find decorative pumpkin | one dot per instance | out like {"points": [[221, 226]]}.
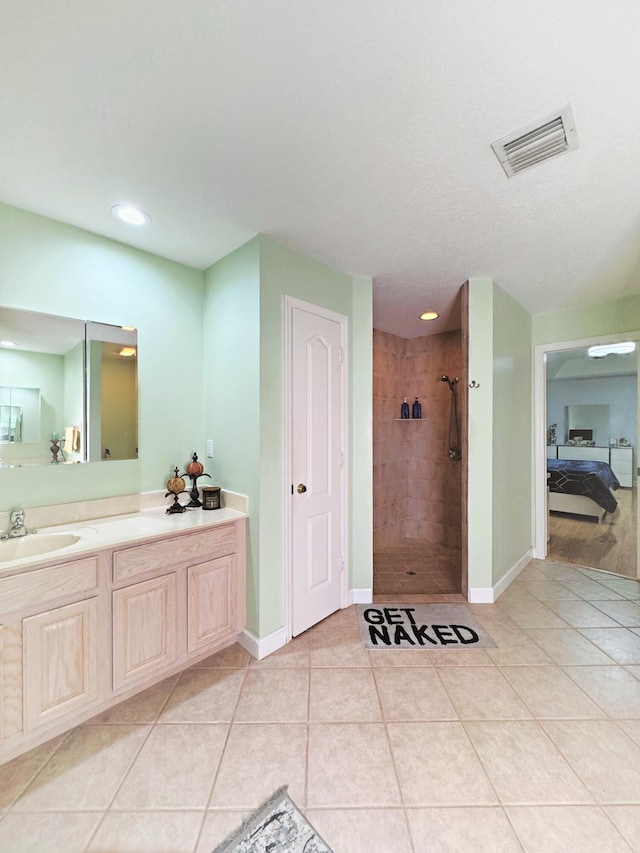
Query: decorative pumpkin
{"points": [[195, 468], [175, 484]]}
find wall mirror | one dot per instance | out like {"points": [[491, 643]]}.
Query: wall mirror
{"points": [[68, 390], [591, 421]]}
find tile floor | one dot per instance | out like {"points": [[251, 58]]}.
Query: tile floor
{"points": [[533, 745], [416, 567]]}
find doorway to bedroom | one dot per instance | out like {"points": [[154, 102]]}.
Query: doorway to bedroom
{"points": [[591, 402]]}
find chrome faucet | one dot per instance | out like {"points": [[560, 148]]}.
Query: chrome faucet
{"points": [[17, 527]]}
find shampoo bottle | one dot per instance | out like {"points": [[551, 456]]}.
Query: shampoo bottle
{"points": [[416, 409], [404, 410]]}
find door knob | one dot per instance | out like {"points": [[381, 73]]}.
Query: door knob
{"points": [[301, 488]]}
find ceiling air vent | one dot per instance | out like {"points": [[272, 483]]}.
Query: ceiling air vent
{"points": [[537, 142]]}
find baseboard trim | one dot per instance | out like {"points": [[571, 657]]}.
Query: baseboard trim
{"points": [[490, 594], [480, 595], [360, 596], [259, 648], [512, 574]]}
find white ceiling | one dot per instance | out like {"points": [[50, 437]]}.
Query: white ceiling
{"points": [[357, 132], [576, 364]]}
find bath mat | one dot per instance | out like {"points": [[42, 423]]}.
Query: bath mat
{"points": [[420, 626], [277, 826]]}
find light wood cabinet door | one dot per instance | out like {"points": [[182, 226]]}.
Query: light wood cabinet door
{"points": [[60, 650], [212, 594], [144, 629]]}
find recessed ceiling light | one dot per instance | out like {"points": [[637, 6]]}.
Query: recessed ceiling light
{"points": [[8, 344], [130, 215], [127, 352], [621, 348], [429, 315]]}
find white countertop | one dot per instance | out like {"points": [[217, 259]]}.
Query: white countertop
{"points": [[100, 533]]}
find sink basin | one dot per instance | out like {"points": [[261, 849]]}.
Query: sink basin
{"points": [[35, 544]]}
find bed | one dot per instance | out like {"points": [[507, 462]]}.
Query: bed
{"points": [[581, 487]]}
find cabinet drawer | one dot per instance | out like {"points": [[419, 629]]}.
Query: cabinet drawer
{"points": [[622, 460], [594, 454], [40, 586], [165, 554]]}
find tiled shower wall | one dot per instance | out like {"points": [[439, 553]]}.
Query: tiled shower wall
{"points": [[417, 488]]}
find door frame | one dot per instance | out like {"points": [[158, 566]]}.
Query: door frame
{"points": [[289, 303], [540, 426]]}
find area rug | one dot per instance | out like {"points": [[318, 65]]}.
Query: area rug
{"points": [[277, 826], [420, 626]]}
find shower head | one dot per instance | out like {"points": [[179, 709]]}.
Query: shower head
{"points": [[451, 382]]}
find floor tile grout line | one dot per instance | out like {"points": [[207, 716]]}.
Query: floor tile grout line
{"points": [[106, 810], [547, 737], [448, 695], [516, 834], [480, 762], [616, 721], [37, 772], [393, 759], [581, 689], [592, 698], [620, 829], [152, 726], [581, 632], [308, 734], [577, 630], [220, 757], [566, 759]]}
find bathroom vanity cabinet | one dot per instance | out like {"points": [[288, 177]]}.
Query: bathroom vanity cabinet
{"points": [[80, 635]]}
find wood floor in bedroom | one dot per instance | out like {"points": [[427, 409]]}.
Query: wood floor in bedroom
{"points": [[610, 546]]}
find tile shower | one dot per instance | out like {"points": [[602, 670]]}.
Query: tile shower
{"points": [[417, 487]]}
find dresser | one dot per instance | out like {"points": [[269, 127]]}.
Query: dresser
{"points": [[622, 465], [619, 458]]}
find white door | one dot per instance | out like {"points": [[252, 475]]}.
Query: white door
{"points": [[317, 436]]}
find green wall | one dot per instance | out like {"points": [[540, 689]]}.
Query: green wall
{"points": [[480, 438], [232, 391], [209, 367], [54, 268], [244, 402], [587, 321], [512, 433], [284, 271], [614, 316], [500, 507], [362, 435]]}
